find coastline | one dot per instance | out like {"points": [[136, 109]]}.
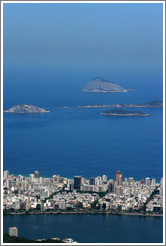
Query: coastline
{"points": [[84, 213]]}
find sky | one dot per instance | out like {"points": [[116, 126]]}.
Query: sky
{"points": [[114, 40], [87, 29]]}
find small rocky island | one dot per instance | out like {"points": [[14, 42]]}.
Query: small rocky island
{"points": [[122, 112], [102, 85], [151, 104], [26, 109]]}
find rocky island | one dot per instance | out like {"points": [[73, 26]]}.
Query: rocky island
{"points": [[122, 112], [26, 109], [151, 104], [102, 85]]}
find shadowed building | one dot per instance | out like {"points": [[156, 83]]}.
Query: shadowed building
{"points": [[77, 182], [92, 181], [111, 186]]}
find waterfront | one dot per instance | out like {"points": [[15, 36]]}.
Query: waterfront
{"points": [[47, 62], [35, 193], [88, 228]]}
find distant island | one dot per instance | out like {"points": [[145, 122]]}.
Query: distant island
{"points": [[102, 85], [122, 112], [26, 109], [151, 104]]}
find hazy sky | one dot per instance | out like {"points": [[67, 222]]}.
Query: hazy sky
{"points": [[87, 29], [78, 41]]}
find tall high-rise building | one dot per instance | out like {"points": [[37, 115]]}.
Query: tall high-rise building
{"points": [[6, 174], [36, 174], [77, 182], [111, 186], [161, 191], [118, 190], [126, 181], [153, 182], [32, 177], [131, 180], [92, 181], [98, 181], [147, 181], [119, 177], [61, 179], [9, 183], [161, 181], [83, 181], [71, 184], [104, 178]]}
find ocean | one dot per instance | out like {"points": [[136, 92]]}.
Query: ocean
{"points": [[80, 141]]}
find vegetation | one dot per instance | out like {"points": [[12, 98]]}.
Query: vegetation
{"points": [[8, 239], [149, 199], [95, 205]]}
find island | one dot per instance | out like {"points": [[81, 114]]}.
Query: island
{"points": [[122, 112], [26, 109], [151, 104], [99, 84]]}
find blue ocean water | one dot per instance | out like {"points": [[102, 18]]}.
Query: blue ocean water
{"points": [[74, 141], [79, 141], [88, 228]]}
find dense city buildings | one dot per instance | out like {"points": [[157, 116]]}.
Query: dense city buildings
{"points": [[40, 194]]}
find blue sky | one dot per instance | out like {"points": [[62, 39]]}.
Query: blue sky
{"points": [[119, 41], [83, 29]]}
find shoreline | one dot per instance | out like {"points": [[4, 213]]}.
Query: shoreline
{"points": [[83, 213]]}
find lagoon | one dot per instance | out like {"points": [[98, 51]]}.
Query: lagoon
{"points": [[88, 228]]}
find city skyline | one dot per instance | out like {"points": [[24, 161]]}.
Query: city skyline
{"points": [[34, 192]]}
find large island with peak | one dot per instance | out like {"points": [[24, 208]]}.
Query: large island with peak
{"points": [[102, 85]]}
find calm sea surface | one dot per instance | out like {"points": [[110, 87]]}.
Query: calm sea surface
{"points": [[88, 228], [79, 141]]}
